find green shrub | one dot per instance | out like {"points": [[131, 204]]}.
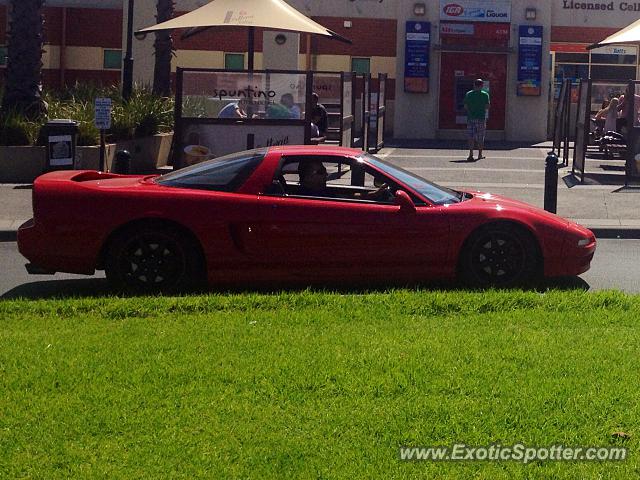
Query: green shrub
{"points": [[15, 130], [194, 106], [143, 115], [79, 109]]}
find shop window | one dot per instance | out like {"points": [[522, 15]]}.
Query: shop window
{"points": [[3, 55], [608, 72], [234, 61], [112, 59], [613, 59], [361, 65], [566, 71]]}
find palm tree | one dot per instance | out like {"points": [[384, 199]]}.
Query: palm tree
{"points": [[23, 85], [163, 50]]}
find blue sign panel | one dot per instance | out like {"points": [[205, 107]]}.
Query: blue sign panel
{"points": [[530, 60], [417, 43]]}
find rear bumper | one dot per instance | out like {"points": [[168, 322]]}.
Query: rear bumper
{"points": [[49, 252]]}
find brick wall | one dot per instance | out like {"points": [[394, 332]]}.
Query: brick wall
{"points": [[94, 28], [370, 37], [3, 24], [580, 34]]}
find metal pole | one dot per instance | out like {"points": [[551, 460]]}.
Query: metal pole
{"points": [[551, 183], [127, 62], [101, 167]]}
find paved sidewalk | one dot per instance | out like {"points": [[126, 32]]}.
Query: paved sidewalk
{"points": [[602, 203], [15, 201]]}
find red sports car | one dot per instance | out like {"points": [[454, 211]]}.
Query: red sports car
{"points": [[291, 214]]}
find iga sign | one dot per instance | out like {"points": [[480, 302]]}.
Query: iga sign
{"points": [[476, 10]]}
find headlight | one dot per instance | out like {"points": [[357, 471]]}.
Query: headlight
{"points": [[584, 242]]}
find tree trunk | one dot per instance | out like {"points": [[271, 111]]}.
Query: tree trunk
{"points": [[23, 87], [163, 50]]}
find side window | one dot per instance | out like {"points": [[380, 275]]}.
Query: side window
{"points": [[331, 177]]}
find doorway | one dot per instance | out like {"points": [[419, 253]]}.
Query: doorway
{"points": [[458, 70]]}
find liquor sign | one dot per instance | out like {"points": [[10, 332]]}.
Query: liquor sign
{"points": [[476, 10], [416, 57], [530, 60]]}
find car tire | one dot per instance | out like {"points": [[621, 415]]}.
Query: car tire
{"points": [[151, 260], [499, 255]]}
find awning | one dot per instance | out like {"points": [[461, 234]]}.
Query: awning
{"points": [[268, 14], [629, 34]]}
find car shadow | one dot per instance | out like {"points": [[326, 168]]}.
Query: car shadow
{"points": [[99, 288], [50, 289]]}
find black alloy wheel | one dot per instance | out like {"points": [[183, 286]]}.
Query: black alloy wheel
{"points": [[149, 260], [499, 256]]}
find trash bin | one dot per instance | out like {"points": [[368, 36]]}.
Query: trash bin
{"points": [[62, 137]]}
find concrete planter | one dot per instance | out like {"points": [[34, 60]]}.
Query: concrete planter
{"points": [[148, 153], [88, 158], [24, 164], [21, 164]]}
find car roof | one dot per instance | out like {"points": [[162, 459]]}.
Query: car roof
{"points": [[315, 150]]}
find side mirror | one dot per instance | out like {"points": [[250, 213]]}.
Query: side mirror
{"points": [[275, 188], [403, 200]]}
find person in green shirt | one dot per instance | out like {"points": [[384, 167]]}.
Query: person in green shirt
{"points": [[476, 103]]}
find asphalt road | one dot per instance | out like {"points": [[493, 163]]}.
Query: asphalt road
{"points": [[614, 267]]}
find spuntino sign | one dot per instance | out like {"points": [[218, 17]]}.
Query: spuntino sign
{"points": [[476, 10]]}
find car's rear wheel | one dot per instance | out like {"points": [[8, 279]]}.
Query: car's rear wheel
{"points": [[499, 255], [150, 260]]}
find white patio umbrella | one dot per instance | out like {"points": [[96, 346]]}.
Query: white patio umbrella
{"points": [[628, 35], [269, 14]]}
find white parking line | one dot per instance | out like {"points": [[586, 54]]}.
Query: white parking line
{"points": [[453, 169], [533, 186], [461, 157]]}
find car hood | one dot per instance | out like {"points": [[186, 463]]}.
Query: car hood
{"points": [[499, 202]]}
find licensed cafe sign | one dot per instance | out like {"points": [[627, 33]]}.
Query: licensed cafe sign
{"points": [[601, 6]]}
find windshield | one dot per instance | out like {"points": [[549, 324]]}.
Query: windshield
{"points": [[435, 193], [224, 174]]}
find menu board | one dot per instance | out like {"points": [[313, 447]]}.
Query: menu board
{"points": [[530, 60], [416, 57]]}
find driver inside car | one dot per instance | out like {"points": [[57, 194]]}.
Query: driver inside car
{"points": [[313, 183]]}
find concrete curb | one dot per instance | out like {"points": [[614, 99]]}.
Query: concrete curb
{"points": [[622, 233], [8, 235]]}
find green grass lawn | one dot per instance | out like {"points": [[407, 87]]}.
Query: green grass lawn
{"points": [[315, 385]]}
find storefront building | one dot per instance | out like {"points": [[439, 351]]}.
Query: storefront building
{"points": [[430, 49]]}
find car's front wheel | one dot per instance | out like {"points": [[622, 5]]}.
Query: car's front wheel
{"points": [[499, 256], [150, 260]]}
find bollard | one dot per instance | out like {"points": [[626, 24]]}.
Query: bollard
{"points": [[551, 183], [122, 162]]}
